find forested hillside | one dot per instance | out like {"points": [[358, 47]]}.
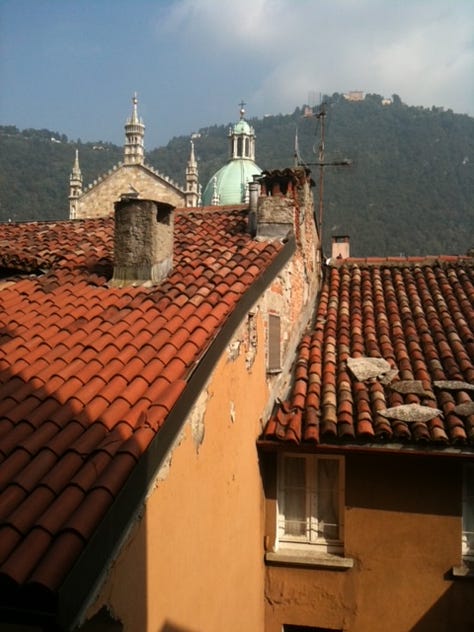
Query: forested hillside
{"points": [[35, 167], [410, 189]]}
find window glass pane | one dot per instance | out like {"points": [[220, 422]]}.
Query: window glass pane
{"points": [[468, 511], [328, 501], [294, 483]]}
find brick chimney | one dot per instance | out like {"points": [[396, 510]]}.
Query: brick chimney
{"points": [[143, 241], [340, 247]]}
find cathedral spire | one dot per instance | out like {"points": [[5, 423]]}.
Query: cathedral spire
{"points": [[192, 180], [134, 137], [75, 187], [215, 201]]}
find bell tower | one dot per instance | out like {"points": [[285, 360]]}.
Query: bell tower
{"points": [[192, 180], [134, 153], [75, 187]]}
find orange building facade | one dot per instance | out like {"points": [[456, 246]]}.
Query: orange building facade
{"points": [[402, 520], [193, 559]]}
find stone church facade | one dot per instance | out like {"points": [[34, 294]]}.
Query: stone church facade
{"points": [[132, 177]]}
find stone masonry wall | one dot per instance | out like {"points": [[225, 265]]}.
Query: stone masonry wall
{"points": [[100, 199]]}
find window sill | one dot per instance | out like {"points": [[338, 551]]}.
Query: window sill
{"points": [[292, 557], [465, 571]]}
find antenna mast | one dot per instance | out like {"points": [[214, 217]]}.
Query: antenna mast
{"points": [[321, 116]]}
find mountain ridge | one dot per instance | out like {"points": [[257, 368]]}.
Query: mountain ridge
{"points": [[410, 188]]}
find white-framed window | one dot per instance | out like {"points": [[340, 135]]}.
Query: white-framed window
{"points": [[468, 513], [310, 502]]}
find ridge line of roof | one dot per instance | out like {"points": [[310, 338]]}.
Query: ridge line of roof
{"points": [[422, 260]]}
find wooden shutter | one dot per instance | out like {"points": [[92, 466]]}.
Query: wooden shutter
{"points": [[274, 343]]}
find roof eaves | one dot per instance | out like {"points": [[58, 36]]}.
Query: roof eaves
{"points": [[389, 448]]}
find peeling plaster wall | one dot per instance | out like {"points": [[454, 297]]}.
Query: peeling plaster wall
{"points": [[293, 293], [99, 200], [403, 530]]}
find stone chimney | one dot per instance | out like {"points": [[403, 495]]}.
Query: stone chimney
{"points": [[285, 197], [254, 192], [143, 241], [340, 247]]}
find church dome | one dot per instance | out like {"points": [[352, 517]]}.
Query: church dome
{"points": [[242, 127], [229, 185]]}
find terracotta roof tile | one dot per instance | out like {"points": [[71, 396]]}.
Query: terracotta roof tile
{"points": [[24, 558], [137, 444], [61, 555], [28, 478], [92, 468], [10, 498], [417, 315], [88, 374], [60, 475]]}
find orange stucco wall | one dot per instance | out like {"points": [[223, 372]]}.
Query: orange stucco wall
{"points": [[403, 530], [194, 560]]}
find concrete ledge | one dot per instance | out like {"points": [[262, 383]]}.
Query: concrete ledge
{"points": [[311, 559], [465, 571]]}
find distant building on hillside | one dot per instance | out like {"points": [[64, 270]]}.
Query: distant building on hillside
{"points": [[131, 177], [354, 95]]}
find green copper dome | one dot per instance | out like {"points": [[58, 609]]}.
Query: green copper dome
{"points": [[229, 185], [242, 127]]}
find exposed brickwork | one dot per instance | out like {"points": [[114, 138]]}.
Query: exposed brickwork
{"points": [[293, 292]]}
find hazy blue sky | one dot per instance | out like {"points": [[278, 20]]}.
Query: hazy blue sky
{"points": [[73, 65]]}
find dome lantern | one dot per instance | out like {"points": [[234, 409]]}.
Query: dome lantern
{"points": [[229, 185]]}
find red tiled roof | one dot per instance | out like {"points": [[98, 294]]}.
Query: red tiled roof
{"points": [[88, 374], [416, 315], [35, 245]]}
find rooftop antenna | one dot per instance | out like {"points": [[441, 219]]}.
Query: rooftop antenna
{"points": [[322, 164]]}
